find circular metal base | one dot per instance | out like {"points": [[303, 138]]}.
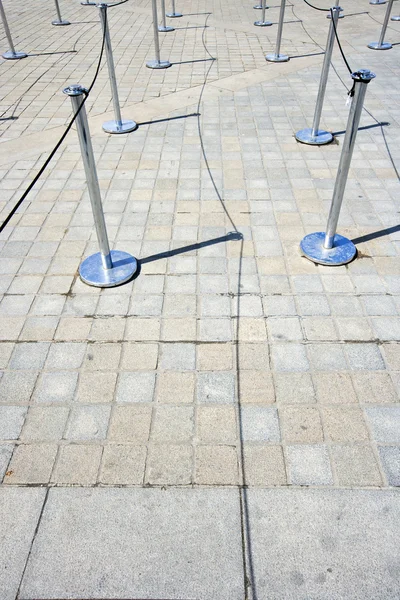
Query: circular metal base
{"points": [[173, 15], [277, 58], [323, 137], [395, 18], [14, 55], [373, 2], [259, 7], [262, 23], [158, 64], [88, 3], [124, 127], [165, 29], [341, 16], [60, 23], [91, 270], [378, 46], [343, 251]]}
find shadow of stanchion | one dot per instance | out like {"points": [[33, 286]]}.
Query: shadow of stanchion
{"points": [[52, 53], [383, 124], [168, 119], [376, 234], [305, 55], [187, 62], [234, 235]]}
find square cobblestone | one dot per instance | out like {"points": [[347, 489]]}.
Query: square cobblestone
{"points": [[77, 464], [264, 465], [216, 465], [260, 424], [309, 465], [169, 465], [356, 466], [385, 423], [135, 387], [88, 423], [216, 387], [122, 464], [390, 457]]}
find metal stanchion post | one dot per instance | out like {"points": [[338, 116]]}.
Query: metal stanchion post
{"points": [[157, 63], [164, 27], [262, 22], [341, 15], [106, 268], [119, 125], [88, 3], [381, 45], [11, 54], [395, 18], [277, 57], [316, 136], [330, 248], [60, 21], [260, 5], [174, 14]]}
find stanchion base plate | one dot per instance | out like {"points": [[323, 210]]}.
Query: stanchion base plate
{"points": [[165, 29], [341, 16], [395, 18], [373, 2], [259, 7], [88, 3], [158, 64], [91, 270], [378, 46], [312, 247], [60, 23], [173, 15], [323, 137], [14, 55], [126, 126], [277, 58], [262, 23]]}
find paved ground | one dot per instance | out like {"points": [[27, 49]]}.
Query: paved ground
{"points": [[229, 368]]}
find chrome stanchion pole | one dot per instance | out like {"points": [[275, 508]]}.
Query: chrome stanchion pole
{"points": [[60, 21], [260, 5], [164, 27], [381, 45], [174, 14], [341, 15], [157, 63], [276, 56], [12, 54], [119, 125], [316, 136], [330, 248], [106, 268], [262, 22]]}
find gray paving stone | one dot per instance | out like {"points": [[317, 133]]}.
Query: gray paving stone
{"points": [[88, 423], [56, 387], [309, 465], [385, 423], [11, 421], [30, 355], [178, 357], [216, 387], [17, 389], [289, 357], [390, 457], [135, 387], [66, 355], [155, 537], [20, 511], [364, 356], [321, 546], [260, 424]]}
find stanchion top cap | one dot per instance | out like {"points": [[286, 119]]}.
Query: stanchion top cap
{"points": [[75, 89], [364, 75]]}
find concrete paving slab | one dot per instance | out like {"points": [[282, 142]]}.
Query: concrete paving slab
{"points": [[19, 513], [325, 545], [137, 543]]}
